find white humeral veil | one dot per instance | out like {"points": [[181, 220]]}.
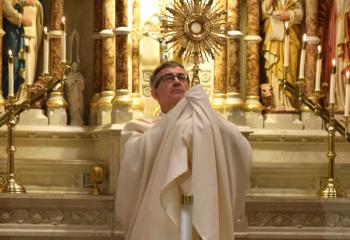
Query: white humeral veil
{"points": [[191, 141]]}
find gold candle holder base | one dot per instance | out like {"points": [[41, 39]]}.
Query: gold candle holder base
{"points": [[10, 186], [329, 189]]}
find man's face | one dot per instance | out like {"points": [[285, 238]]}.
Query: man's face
{"points": [[170, 89]]}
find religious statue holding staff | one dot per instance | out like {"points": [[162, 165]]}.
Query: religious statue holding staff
{"points": [[75, 85], [334, 31], [276, 13], [189, 149], [13, 24]]}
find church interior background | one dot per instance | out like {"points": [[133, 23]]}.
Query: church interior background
{"points": [[67, 149]]}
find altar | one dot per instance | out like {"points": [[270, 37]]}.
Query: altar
{"points": [[66, 151]]}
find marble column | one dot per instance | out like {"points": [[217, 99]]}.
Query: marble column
{"points": [[97, 69], [309, 119], [311, 47], [122, 45], [253, 52], [136, 100], [220, 74], [122, 101], [233, 101], [2, 100], [108, 63], [56, 104]]}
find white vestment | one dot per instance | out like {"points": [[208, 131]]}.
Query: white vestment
{"points": [[191, 143]]}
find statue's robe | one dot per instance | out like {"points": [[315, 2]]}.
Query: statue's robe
{"points": [[334, 24], [190, 149], [13, 40], [273, 51], [34, 33]]}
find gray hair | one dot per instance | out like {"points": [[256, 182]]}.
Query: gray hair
{"points": [[172, 64]]}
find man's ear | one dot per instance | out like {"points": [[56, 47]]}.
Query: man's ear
{"points": [[154, 93]]}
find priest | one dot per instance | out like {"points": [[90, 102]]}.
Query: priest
{"points": [[189, 149]]}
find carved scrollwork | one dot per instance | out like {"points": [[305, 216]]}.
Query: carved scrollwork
{"points": [[54, 216]]}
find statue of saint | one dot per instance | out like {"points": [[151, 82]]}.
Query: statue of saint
{"points": [[75, 85], [275, 13], [334, 30], [13, 24]]}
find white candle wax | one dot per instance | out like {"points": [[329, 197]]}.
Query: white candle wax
{"points": [[186, 220], [46, 52], [27, 62], [318, 70], [347, 95], [332, 83], [63, 40], [286, 46], [302, 59], [10, 75]]}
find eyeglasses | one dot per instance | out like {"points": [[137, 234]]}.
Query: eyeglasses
{"points": [[170, 77]]}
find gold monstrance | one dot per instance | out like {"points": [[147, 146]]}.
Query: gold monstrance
{"points": [[196, 30]]}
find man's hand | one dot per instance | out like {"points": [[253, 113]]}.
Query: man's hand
{"points": [[30, 2], [281, 15], [26, 22]]}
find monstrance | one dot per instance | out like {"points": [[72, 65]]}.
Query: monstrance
{"points": [[195, 30]]}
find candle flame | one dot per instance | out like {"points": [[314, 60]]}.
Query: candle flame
{"points": [[347, 74], [63, 20], [26, 41], [333, 62], [45, 29], [319, 48], [10, 53]]}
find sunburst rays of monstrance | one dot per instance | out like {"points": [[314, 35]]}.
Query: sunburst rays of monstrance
{"points": [[195, 31]]}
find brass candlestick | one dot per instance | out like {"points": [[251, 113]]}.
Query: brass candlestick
{"points": [[46, 78], [56, 99], [329, 188], [97, 175], [10, 185], [346, 122]]}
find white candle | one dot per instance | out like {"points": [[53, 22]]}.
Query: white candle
{"points": [[186, 217], [347, 95], [63, 40], [332, 84], [27, 64], [302, 59], [318, 69], [10, 80], [286, 46], [46, 51]]}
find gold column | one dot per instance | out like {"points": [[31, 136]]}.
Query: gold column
{"points": [[2, 101], [220, 74], [56, 100], [122, 100], [233, 96], [136, 102], [108, 63], [252, 99], [311, 48], [97, 70]]}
